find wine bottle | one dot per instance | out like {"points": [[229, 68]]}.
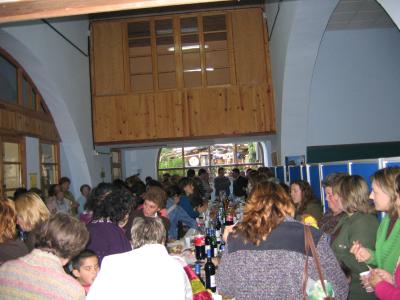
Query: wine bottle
{"points": [[208, 241], [214, 244], [199, 246], [209, 269]]}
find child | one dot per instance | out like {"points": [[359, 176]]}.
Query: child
{"points": [[85, 267]]}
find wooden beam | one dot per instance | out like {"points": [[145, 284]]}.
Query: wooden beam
{"points": [[23, 10]]}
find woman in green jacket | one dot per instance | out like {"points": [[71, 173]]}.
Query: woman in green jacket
{"points": [[359, 223], [386, 199]]}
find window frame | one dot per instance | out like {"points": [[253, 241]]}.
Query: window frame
{"points": [[43, 187], [117, 165]]}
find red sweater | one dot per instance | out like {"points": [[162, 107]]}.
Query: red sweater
{"points": [[386, 291]]}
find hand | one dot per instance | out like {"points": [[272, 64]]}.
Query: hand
{"points": [[373, 279], [361, 253], [385, 275], [227, 231]]}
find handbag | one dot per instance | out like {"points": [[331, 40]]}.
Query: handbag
{"points": [[310, 247]]}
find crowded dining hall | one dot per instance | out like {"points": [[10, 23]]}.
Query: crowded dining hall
{"points": [[199, 149]]}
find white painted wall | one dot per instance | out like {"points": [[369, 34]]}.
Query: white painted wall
{"points": [[32, 161], [61, 74], [392, 7], [356, 87]]}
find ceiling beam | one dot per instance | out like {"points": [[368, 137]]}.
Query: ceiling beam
{"points": [[23, 10]]}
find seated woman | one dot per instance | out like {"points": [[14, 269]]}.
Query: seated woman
{"points": [[191, 200], [154, 201], [31, 212], [176, 213], [358, 224], [387, 246], [40, 274], [304, 200], [110, 208], [265, 253], [10, 246]]}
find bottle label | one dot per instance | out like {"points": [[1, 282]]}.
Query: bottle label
{"points": [[208, 248], [215, 251], [212, 281], [199, 240]]}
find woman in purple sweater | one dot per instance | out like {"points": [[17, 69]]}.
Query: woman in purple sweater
{"points": [[111, 208]]}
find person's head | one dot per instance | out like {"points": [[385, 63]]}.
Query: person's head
{"points": [[96, 199], [62, 235], [221, 172], [248, 171], [147, 231], [19, 191], [174, 192], [384, 190], [203, 174], [85, 190], [329, 183], [37, 192], [60, 195], [301, 192], [235, 173], [85, 267], [190, 173], [53, 189], [154, 200], [31, 211], [8, 221], [114, 205], [353, 194], [65, 182], [186, 184], [148, 179], [267, 206]]}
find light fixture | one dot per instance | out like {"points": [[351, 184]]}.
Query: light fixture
{"points": [[189, 47], [198, 70]]}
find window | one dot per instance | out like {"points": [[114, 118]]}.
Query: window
{"points": [[12, 165], [192, 49], [116, 163], [177, 160], [17, 88], [49, 165]]}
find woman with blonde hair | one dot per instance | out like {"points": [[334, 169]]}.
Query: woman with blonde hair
{"points": [[357, 224], [265, 253], [10, 246], [31, 212], [386, 199]]}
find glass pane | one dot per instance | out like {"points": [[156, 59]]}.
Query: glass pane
{"points": [[140, 47], [214, 23], [165, 45], [10, 152], [167, 80], [140, 65], [166, 63], [189, 25], [248, 153], [116, 173], [217, 59], [25, 92], [191, 62], [217, 76], [222, 154], [138, 29], [48, 175], [172, 173], [192, 79], [115, 157], [196, 156], [164, 27], [8, 81], [142, 82], [214, 41], [190, 42], [12, 176], [170, 158], [34, 96], [48, 153], [41, 107], [10, 193]]}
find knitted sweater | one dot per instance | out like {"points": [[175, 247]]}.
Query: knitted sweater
{"points": [[387, 251], [38, 275], [275, 268]]}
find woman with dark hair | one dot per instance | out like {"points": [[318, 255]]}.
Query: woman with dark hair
{"points": [[265, 253], [191, 200], [10, 246], [111, 207], [40, 274], [304, 200]]}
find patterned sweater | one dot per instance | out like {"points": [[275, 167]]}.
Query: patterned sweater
{"points": [[38, 275], [274, 269]]}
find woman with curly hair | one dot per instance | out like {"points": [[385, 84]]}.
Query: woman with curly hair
{"points": [[10, 246], [304, 200], [110, 212], [265, 253]]}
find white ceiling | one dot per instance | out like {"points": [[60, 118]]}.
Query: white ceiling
{"points": [[359, 14]]}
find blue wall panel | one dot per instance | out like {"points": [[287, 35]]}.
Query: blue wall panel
{"points": [[365, 170], [294, 173], [280, 173]]}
